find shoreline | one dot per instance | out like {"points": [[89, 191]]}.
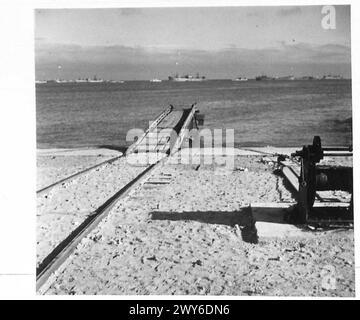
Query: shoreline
{"points": [[91, 151], [94, 151]]}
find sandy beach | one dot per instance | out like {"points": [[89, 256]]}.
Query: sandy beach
{"points": [[188, 229], [56, 164], [61, 209]]}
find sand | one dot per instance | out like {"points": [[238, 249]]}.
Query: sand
{"points": [[56, 164], [61, 209], [189, 230]]}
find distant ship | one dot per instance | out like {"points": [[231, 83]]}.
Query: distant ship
{"points": [[285, 78], [95, 80], [155, 80], [81, 80], [241, 79], [263, 77], [186, 78], [332, 77], [61, 81], [40, 81], [306, 78]]}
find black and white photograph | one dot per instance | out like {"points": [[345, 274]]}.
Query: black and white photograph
{"points": [[194, 151]]}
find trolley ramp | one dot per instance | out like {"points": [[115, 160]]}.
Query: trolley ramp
{"points": [[165, 132]]}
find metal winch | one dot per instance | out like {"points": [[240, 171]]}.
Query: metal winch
{"points": [[315, 177]]}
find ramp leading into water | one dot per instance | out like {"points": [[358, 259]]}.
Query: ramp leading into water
{"points": [[166, 132]]}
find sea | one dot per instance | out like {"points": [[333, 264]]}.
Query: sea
{"points": [[262, 113]]}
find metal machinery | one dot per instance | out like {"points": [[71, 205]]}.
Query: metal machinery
{"points": [[199, 118], [316, 177]]}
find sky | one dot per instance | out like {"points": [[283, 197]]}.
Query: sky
{"points": [[220, 42]]}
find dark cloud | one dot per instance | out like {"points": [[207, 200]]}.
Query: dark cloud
{"points": [[142, 63]]}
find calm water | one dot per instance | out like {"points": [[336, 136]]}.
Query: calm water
{"points": [[277, 113]]}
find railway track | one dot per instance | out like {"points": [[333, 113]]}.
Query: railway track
{"points": [[61, 252], [77, 174], [66, 247], [153, 125]]}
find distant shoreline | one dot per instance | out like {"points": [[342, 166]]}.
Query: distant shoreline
{"points": [[110, 152], [67, 82]]}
